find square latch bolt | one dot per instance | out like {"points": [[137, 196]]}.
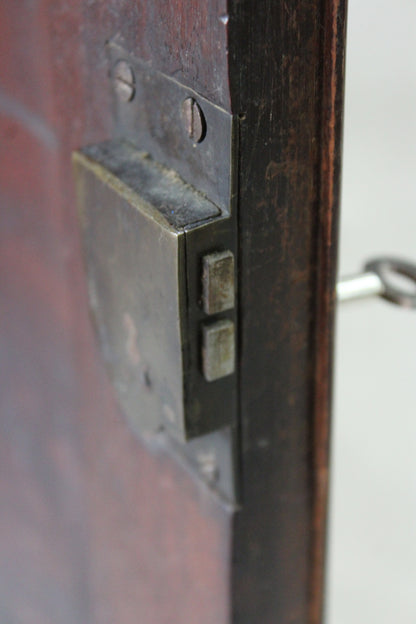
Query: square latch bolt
{"points": [[218, 290], [218, 350]]}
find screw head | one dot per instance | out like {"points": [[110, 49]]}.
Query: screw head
{"points": [[208, 466], [124, 81], [194, 120]]}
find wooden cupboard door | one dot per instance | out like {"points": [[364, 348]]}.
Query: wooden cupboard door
{"points": [[97, 526]]}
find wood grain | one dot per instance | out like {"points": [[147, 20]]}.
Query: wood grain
{"points": [[286, 85], [96, 527]]}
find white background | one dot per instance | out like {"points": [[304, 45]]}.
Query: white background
{"points": [[372, 555]]}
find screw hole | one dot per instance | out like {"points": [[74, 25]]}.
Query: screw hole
{"points": [[194, 120], [147, 381]]}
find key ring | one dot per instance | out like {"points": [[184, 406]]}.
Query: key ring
{"points": [[376, 280]]}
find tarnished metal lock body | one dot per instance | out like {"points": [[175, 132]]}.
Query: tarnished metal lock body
{"points": [[149, 238]]}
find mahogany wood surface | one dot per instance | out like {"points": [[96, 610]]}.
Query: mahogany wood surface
{"points": [[94, 526], [287, 64]]}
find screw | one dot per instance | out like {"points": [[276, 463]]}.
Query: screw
{"points": [[194, 120], [208, 466], [124, 81]]}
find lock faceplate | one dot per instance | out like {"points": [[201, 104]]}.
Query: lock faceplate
{"points": [[153, 121], [159, 224]]}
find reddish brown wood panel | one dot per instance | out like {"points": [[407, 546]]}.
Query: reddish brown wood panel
{"points": [[333, 50], [93, 527], [287, 86]]}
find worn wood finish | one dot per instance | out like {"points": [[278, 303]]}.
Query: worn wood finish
{"points": [[335, 19], [289, 96], [95, 527]]}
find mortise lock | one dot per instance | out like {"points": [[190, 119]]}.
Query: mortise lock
{"points": [[163, 302], [159, 232]]}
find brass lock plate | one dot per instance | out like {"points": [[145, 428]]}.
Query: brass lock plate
{"points": [[161, 269]]}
